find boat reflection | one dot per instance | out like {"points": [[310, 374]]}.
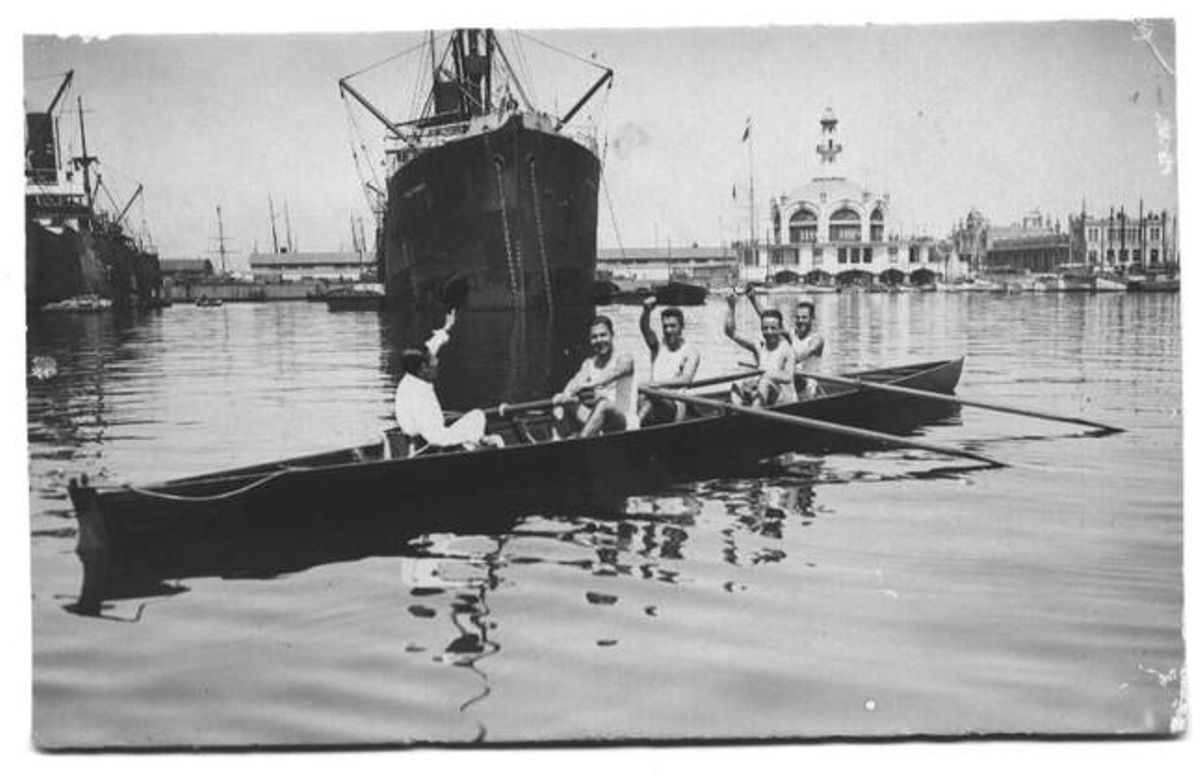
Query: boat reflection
{"points": [[641, 536]]}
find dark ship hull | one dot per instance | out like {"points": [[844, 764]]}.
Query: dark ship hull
{"points": [[69, 261], [503, 219]]}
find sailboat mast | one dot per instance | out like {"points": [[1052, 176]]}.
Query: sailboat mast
{"points": [[221, 239], [274, 233], [287, 222]]}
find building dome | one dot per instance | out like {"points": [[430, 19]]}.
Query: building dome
{"points": [[826, 191]]}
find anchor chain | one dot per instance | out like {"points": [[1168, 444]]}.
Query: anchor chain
{"points": [[537, 217], [516, 281]]}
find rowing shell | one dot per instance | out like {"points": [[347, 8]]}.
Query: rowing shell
{"points": [[352, 483]]}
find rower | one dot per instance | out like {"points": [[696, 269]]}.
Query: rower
{"points": [[418, 411], [773, 355], [603, 386], [674, 362], [806, 342]]}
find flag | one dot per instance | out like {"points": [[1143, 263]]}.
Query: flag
{"points": [[746, 133]]}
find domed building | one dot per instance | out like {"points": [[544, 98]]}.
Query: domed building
{"points": [[835, 229]]}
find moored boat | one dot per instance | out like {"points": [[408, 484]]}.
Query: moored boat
{"points": [[354, 483], [359, 296], [1154, 283], [87, 303]]}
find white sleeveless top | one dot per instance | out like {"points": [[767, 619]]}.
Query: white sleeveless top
{"points": [[620, 393], [772, 361], [668, 364]]}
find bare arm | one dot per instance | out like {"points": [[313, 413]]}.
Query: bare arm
{"points": [[813, 346], [573, 385], [731, 327], [785, 368], [442, 335], [752, 295], [647, 331], [689, 364], [620, 366]]}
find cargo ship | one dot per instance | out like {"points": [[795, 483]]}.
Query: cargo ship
{"points": [[490, 202], [73, 248]]}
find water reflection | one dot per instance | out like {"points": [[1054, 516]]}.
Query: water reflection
{"points": [[643, 537]]}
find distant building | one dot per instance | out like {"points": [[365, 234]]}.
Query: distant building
{"points": [[712, 266], [1034, 245], [1122, 243], [834, 228], [184, 270], [341, 266]]}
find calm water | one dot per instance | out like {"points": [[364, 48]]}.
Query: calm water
{"points": [[847, 595]]}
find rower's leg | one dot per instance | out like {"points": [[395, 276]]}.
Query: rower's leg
{"points": [[595, 421]]}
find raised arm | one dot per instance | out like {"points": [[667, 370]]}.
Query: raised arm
{"points": [[441, 336], [752, 295], [647, 331], [731, 326]]}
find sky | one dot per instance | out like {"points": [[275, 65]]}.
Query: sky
{"points": [[1003, 117]]}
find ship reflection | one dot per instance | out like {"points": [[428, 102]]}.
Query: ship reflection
{"points": [[493, 355]]}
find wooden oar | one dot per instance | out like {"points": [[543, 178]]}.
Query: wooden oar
{"points": [[813, 424], [947, 397], [710, 380], [502, 410]]}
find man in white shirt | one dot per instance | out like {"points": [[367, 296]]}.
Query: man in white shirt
{"points": [[418, 411], [603, 386], [674, 362]]}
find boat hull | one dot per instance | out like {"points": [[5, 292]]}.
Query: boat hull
{"points": [[356, 484], [503, 219]]}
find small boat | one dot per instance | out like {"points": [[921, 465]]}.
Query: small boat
{"points": [[1109, 283], [1158, 283], [679, 294], [352, 484], [209, 301], [360, 296]]}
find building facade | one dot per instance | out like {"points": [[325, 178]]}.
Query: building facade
{"points": [[1123, 244], [1034, 245], [1117, 243], [696, 264], [834, 229], [286, 266]]}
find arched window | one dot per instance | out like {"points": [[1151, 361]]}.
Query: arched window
{"points": [[877, 225], [845, 226], [802, 226]]}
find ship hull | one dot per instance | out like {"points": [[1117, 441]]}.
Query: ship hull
{"points": [[69, 261], [505, 219]]}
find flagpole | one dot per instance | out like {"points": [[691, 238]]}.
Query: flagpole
{"points": [[753, 219]]}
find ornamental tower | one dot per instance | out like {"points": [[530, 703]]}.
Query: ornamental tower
{"points": [[828, 147]]}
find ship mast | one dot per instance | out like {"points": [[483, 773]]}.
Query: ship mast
{"points": [[85, 161]]}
